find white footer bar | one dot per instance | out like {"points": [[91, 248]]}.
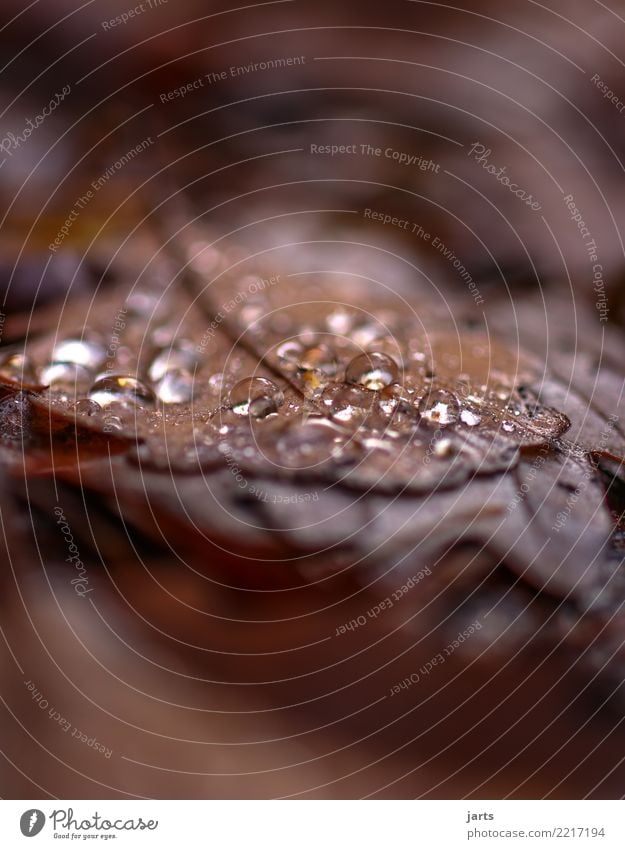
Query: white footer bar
{"points": [[313, 824]]}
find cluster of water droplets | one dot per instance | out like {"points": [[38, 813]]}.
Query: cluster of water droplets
{"points": [[75, 373], [334, 395], [383, 400]]}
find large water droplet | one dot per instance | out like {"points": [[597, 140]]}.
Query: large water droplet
{"points": [[439, 407], [121, 388], [372, 370], [83, 352], [175, 386], [255, 396]]}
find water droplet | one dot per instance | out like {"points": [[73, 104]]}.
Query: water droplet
{"points": [[507, 426], [67, 375], [439, 407], [316, 365], [348, 404], [181, 355], [83, 352], [121, 388], [372, 370], [17, 367], [255, 396], [85, 407], [470, 417], [175, 386]]}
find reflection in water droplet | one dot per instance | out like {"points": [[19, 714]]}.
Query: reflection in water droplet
{"points": [[118, 387], [84, 352], [470, 417], [348, 404], [440, 407], [507, 426], [67, 375], [181, 355], [372, 370], [397, 409], [113, 423], [319, 358], [255, 396], [175, 387], [289, 352], [85, 407]]}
